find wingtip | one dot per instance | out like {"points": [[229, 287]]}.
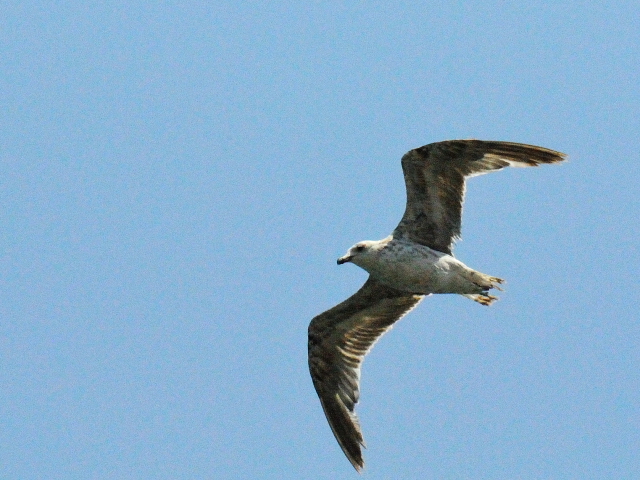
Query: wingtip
{"points": [[357, 461], [346, 429], [354, 455]]}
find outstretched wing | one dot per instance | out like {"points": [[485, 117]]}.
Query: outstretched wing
{"points": [[435, 179], [338, 341]]}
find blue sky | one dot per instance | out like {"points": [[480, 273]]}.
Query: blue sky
{"points": [[178, 179]]}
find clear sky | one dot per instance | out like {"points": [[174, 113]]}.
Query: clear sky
{"points": [[177, 180]]}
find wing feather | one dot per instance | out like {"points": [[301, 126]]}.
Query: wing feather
{"points": [[339, 339], [435, 181]]}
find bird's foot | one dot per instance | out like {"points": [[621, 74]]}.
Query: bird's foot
{"points": [[484, 298]]}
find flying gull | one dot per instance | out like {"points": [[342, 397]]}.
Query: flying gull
{"points": [[416, 260]]}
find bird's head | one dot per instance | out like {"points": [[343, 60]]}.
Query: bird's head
{"points": [[359, 253]]}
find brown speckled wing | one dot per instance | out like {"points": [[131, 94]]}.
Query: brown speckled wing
{"points": [[339, 339], [435, 180]]}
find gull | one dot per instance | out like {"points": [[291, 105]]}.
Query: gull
{"points": [[416, 260]]}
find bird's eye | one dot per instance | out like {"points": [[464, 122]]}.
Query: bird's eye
{"points": [[359, 248]]}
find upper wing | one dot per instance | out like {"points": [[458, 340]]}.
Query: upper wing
{"points": [[435, 179], [338, 341]]}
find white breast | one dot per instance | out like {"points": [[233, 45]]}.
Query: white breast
{"points": [[416, 268]]}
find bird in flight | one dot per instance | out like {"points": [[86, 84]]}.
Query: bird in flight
{"points": [[416, 260]]}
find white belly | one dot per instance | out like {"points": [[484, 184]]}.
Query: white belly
{"points": [[419, 269]]}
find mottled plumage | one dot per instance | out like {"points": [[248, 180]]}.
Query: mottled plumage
{"points": [[415, 261]]}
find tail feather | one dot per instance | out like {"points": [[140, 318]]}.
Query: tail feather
{"points": [[488, 283]]}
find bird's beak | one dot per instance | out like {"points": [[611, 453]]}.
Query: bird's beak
{"points": [[345, 259]]}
